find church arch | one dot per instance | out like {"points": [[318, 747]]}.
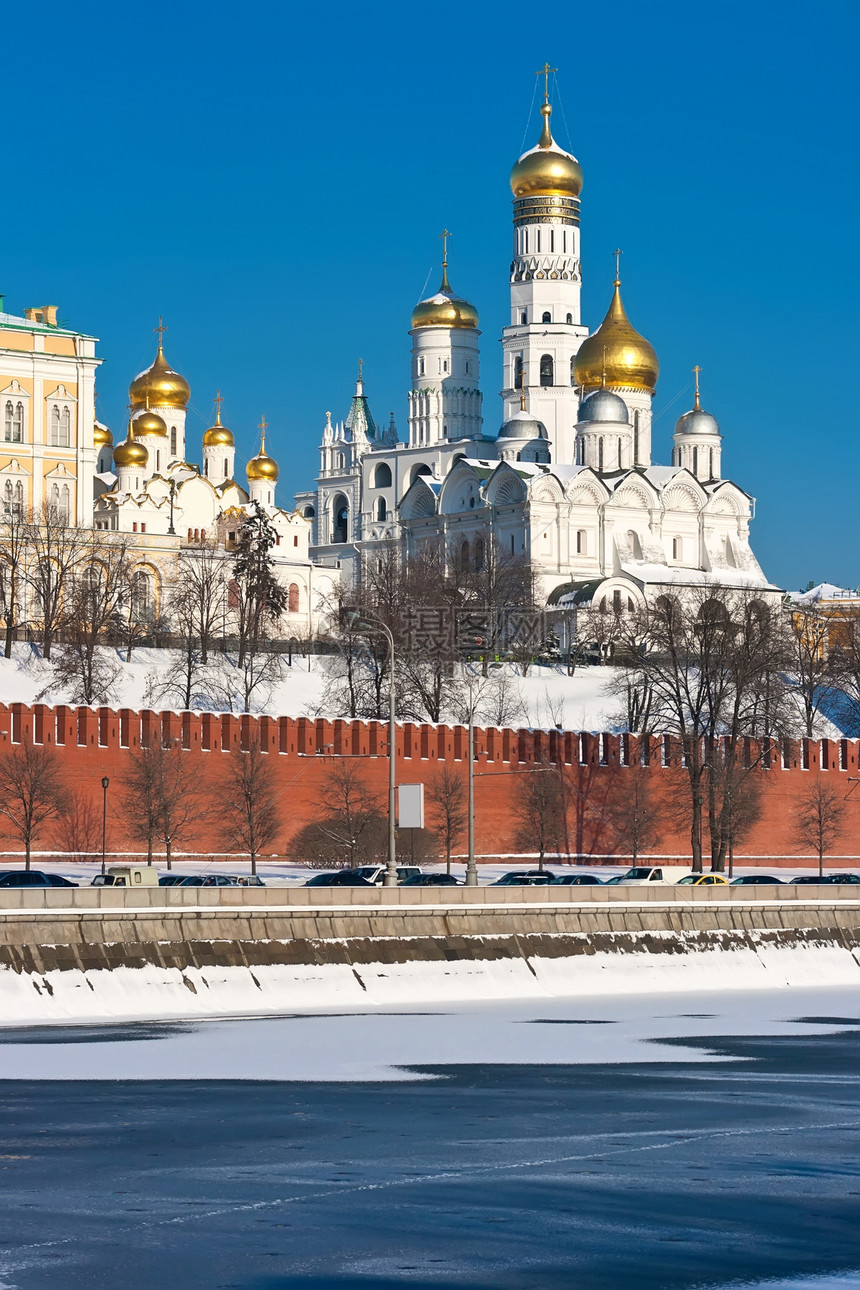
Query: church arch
{"points": [[547, 370], [547, 316], [518, 372], [635, 544], [382, 475], [381, 509], [339, 518], [418, 470]]}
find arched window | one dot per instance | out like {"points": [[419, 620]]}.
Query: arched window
{"points": [[173, 441], [696, 462], [340, 519], [526, 240], [8, 497], [569, 319], [54, 432], [421, 367], [711, 474], [19, 498], [293, 598], [382, 475], [518, 372], [581, 542], [479, 555], [226, 467], [635, 438], [206, 467], [8, 421], [677, 548], [91, 590], [66, 428], [537, 235], [635, 544], [141, 597], [546, 369], [524, 316], [619, 454], [547, 317], [381, 509], [340, 460], [573, 369], [464, 554], [552, 240], [18, 428], [600, 453]]}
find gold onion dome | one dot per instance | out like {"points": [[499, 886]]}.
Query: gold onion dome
{"points": [[547, 170], [218, 436], [616, 356], [130, 453], [444, 309], [147, 422], [262, 466], [159, 385], [102, 437]]}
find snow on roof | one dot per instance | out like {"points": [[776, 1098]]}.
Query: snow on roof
{"points": [[27, 324], [674, 576], [824, 591]]}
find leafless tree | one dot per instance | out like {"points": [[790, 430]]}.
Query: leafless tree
{"points": [[200, 594], [55, 552], [818, 823], [77, 831], [15, 536], [634, 811], [164, 795], [32, 790], [94, 616], [811, 663], [447, 798], [250, 801], [349, 823], [539, 810]]}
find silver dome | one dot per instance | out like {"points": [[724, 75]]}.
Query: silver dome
{"points": [[697, 421], [522, 425], [603, 405]]}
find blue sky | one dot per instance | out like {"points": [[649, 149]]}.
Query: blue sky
{"points": [[273, 180]]}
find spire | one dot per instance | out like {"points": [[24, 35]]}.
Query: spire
{"points": [[618, 254], [546, 140], [218, 401], [697, 407], [445, 288], [263, 427], [160, 330]]}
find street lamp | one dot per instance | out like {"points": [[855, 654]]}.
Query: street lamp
{"points": [[172, 530], [105, 783], [361, 622], [471, 867]]}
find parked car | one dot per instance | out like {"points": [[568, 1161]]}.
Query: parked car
{"points": [[577, 880], [170, 879], [614, 880], [524, 880], [805, 880], [703, 880], [340, 878], [431, 880], [757, 880], [248, 880], [842, 877], [375, 873], [32, 878], [641, 874]]}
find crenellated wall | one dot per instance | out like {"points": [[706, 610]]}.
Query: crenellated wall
{"points": [[96, 741]]}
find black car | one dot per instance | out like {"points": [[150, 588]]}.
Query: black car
{"points": [[431, 880], [842, 877], [340, 878], [170, 879], [576, 880], [757, 880], [805, 881], [524, 880], [32, 878]]}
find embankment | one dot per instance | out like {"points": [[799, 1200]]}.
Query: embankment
{"points": [[85, 954]]}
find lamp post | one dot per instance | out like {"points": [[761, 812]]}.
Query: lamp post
{"points": [[471, 867], [172, 530], [105, 783], [363, 621]]}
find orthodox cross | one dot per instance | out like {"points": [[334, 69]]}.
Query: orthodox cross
{"points": [[360, 368], [444, 235], [546, 72], [218, 401], [696, 371], [160, 329], [263, 427], [617, 253]]}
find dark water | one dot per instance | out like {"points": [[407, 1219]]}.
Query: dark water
{"points": [[642, 1177]]}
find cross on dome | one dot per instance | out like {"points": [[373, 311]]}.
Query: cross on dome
{"points": [[546, 71]]}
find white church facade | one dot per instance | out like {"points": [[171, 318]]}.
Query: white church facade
{"points": [[567, 482]]}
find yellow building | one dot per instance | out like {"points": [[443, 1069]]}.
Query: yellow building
{"points": [[47, 415]]}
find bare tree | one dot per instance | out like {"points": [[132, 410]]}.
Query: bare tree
{"points": [[818, 822], [349, 822], [15, 535], [813, 667], [250, 801], [55, 551], [634, 812], [200, 594], [539, 810], [78, 828], [93, 616], [447, 796], [32, 790], [164, 795]]}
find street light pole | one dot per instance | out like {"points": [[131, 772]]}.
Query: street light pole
{"points": [[361, 621], [172, 530], [471, 870], [105, 783]]}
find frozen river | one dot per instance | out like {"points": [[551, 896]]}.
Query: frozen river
{"points": [[607, 1144]]}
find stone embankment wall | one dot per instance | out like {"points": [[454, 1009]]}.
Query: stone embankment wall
{"points": [[85, 954], [97, 741]]}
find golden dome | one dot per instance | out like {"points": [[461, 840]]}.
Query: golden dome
{"points": [[160, 385], [102, 437], [130, 453], [147, 422], [547, 170], [444, 309], [262, 466], [616, 356], [218, 436]]}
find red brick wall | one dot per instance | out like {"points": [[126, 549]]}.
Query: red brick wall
{"points": [[95, 741]]}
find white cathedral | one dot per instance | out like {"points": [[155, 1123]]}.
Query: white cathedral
{"points": [[568, 481]]}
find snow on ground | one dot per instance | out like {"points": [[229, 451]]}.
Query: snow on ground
{"points": [[549, 696], [384, 1043]]}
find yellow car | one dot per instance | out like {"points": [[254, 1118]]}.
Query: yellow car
{"points": [[704, 880]]}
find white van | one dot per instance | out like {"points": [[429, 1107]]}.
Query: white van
{"points": [[641, 875], [127, 875]]}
